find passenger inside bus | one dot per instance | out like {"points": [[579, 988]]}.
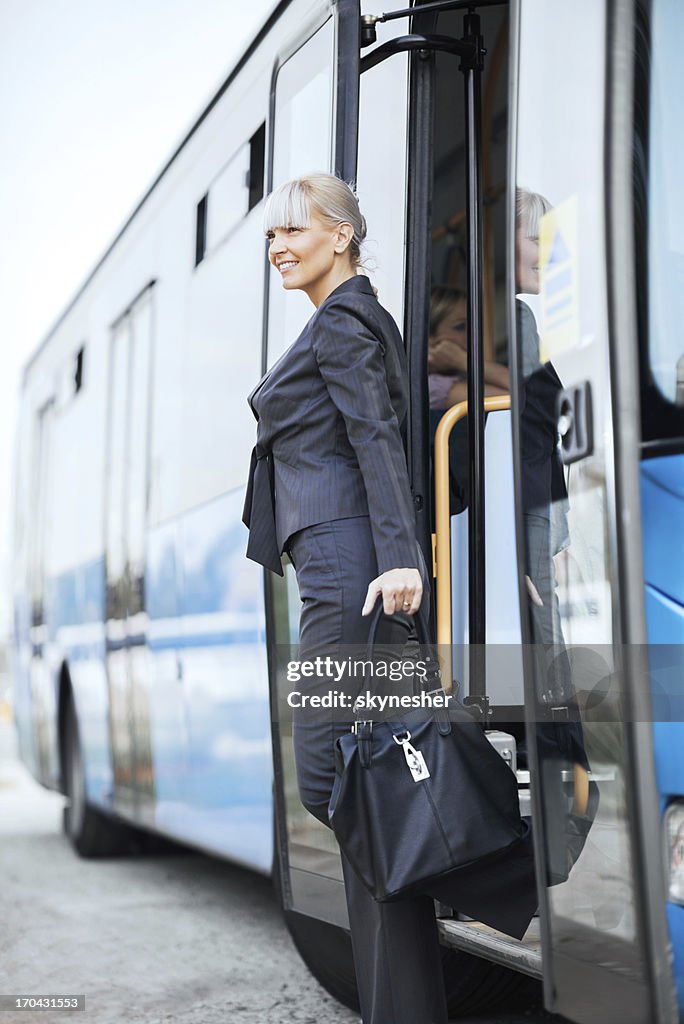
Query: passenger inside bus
{"points": [[448, 380], [448, 355]]}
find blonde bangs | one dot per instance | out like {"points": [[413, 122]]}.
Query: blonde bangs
{"points": [[288, 206]]}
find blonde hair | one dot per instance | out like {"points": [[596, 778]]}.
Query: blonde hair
{"points": [[442, 299], [530, 207], [329, 197]]}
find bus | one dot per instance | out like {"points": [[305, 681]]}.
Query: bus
{"points": [[148, 682]]}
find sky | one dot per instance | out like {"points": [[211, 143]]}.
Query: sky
{"points": [[95, 97]]}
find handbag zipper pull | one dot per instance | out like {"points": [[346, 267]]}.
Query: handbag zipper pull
{"points": [[414, 758]]}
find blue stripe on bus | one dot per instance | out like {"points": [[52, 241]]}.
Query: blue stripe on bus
{"points": [[176, 642], [208, 639]]}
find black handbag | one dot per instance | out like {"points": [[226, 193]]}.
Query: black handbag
{"points": [[421, 797]]}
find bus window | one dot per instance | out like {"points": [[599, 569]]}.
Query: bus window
{"points": [[447, 362], [585, 750], [660, 242], [302, 137], [382, 196], [666, 203], [447, 378], [302, 141]]}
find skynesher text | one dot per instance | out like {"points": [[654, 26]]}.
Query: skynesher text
{"points": [[368, 701]]}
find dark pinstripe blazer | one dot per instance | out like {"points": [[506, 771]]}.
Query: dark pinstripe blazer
{"points": [[328, 437]]}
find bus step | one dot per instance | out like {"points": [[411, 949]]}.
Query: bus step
{"points": [[481, 940]]}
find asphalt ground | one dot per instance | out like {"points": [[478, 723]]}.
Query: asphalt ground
{"points": [[165, 938]]}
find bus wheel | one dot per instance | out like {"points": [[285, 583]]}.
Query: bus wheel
{"points": [[474, 985], [91, 833], [325, 948], [327, 952]]}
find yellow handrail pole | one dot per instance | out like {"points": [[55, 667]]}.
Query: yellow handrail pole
{"points": [[442, 546], [443, 521], [492, 403]]}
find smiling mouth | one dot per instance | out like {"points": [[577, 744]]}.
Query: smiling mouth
{"points": [[287, 265]]}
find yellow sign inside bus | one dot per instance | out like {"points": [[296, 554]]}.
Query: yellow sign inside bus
{"points": [[559, 278]]}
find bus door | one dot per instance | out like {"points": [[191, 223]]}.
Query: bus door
{"points": [[575, 413], [126, 490], [316, 123], [412, 131], [407, 104]]}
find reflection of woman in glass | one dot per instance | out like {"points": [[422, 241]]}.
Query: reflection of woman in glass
{"points": [[544, 498], [543, 484]]}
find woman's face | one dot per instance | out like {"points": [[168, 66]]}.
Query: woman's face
{"points": [[305, 257], [526, 263]]}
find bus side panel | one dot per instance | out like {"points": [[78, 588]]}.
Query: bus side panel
{"points": [[21, 682], [662, 495], [225, 683], [675, 922], [198, 723], [209, 708], [75, 614], [168, 724]]}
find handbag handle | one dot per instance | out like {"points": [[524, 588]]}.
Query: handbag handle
{"points": [[421, 631], [378, 612], [432, 669]]}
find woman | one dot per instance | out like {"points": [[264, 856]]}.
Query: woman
{"points": [[329, 484]]}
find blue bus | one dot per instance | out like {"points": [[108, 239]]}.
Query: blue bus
{"points": [[148, 652]]}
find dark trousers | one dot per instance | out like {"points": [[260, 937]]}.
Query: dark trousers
{"points": [[396, 947]]}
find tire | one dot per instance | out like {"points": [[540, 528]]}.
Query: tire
{"points": [[327, 952], [90, 832], [472, 984]]}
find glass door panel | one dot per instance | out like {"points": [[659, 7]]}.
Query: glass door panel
{"points": [[302, 142], [596, 955]]}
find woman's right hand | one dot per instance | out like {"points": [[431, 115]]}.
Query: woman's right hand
{"points": [[401, 589], [533, 593]]}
